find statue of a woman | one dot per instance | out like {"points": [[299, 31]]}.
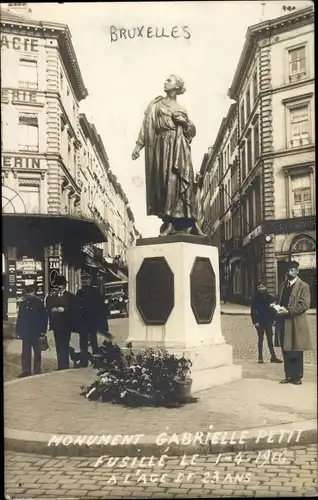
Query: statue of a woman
{"points": [[166, 135]]}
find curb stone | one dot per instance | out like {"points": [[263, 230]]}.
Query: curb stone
{"points": [[37, 443]]}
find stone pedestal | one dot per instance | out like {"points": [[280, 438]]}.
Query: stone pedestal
{"points": [[174, 303]]}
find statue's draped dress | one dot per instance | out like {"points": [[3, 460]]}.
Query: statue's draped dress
{"points": [[169, 169]]}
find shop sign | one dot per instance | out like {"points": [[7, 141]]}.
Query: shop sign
{"points": [[12, 279], [20, 162], [88, 250], [256, 232], [54, 270], [19, 43], [29, 96], [281, 226], [306, 260]]}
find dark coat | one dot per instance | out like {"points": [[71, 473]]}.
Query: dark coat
{"points": [[91, 312], [32, 318], [261, 312], [294, 327], [62, 321]]}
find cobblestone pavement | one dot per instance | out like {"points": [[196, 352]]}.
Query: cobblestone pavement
{"points": [[239, 331], [280, 472]]}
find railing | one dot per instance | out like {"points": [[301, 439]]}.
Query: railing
{"points": [[302, 141], [28, 85], [297, 76], [27, 147], [302, 211]]}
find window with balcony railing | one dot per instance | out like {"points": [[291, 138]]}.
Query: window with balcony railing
{"points": [[256, 142], [249, 153], [28, 133], [242, 112], [299, 127], [28, 73], [255, 87], [248, 102], [302, 205], [297, 64]]}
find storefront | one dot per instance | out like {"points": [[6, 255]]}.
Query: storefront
{"points": [[4, 289], [33, 248]]}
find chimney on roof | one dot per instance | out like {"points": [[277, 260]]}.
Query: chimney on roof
{"points": [[20, 9]]}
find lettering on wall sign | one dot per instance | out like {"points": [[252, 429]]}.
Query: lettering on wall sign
{"points": [[20, 162], [148, 32], [19, 95], [19, 43]]}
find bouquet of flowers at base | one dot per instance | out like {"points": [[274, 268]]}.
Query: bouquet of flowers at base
{"points": [[147, 378]]}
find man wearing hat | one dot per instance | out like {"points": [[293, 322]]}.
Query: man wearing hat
{"points": [[292, 330], [61, 309]]}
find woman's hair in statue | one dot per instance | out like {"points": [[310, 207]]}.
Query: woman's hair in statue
{"points": [[180, 82]]}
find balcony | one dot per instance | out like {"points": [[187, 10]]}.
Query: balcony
{"points": [[28, 85], [296, 77], [33, 148], [302, 211], [299, 142]]}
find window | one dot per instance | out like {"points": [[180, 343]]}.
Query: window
{"points": [[256, 142], [255, 87], [301, 198], [248, 102], [31, 197], [233, 140], [28, 73], [249, 154], [61, 80], [303, 244], [28, 133], [242, 116], [297, 63], [243, 162], [299, 126]]}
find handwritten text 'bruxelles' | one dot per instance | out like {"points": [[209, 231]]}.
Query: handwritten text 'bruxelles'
{"points": [[148, 32]]}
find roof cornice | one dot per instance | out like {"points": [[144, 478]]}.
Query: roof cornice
{"points": [[263, 30], [53, 30]]}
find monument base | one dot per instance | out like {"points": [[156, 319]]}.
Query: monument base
{"points": [[174, 293]]}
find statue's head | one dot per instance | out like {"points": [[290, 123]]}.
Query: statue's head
{"points": [[174, 83]]}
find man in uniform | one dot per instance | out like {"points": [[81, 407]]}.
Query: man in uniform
{"points": [[61, 309]]}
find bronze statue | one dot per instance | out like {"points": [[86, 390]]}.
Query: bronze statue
{"points": [[166, 135]]}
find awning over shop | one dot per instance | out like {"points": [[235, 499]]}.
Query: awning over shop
{"points": [[49, 229]]}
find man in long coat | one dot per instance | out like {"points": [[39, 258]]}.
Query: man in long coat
{"points": [[292, 330], [91, 317]]}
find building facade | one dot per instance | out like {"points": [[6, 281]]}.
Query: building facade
{"points": [[48, 217], [103, 198], [269, 176]]}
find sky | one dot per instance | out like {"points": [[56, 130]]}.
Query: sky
{"points": [[123, 76]]}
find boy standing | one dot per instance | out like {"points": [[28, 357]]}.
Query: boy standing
{"points": [[262, 318]]}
